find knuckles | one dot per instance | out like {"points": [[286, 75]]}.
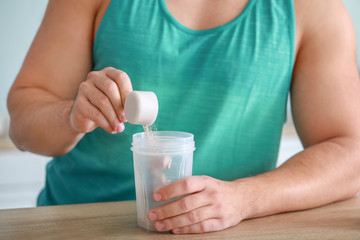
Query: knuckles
{"points": [[81, 101], [93, 74], [124, 93], [109, 69], [122, 75], [118, 74], [111, 87], [194, 217], [204, 227], [187, 184], [215, 195], [83, 86], [222, 223], [185, 204], [213, 190], [103, 100], [208, 180]]}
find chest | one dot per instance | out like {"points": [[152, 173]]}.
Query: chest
{"points": [[145, 40], [205, 14]]}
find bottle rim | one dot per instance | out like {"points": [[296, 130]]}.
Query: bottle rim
{"points": [[163, 142]]}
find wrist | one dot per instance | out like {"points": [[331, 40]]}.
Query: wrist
{"points": [[253, 191]]}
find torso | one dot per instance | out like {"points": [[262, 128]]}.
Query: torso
{"points": [[247, 87]]}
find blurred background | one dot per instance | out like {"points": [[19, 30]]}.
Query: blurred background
{"points": [[21, 173]]}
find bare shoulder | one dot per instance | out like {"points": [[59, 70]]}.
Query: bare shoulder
{"points": [[80, 10], [321, 18], [80, 6], [324, 29], [62, 48]]}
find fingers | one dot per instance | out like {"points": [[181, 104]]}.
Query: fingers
{"points": [[110, 89], [178, 207], [182, 187], [88, 117], [207, 207], [190, 218], [210, 225], [100, 101], [123, 82]]}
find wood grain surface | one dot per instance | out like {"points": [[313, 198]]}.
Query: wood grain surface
{"points": [[117, 220]]}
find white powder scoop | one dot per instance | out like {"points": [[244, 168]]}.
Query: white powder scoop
{"points": [[141, 107]]}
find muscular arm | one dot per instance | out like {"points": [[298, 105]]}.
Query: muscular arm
{"points": [[43, 94], [325, 103]]}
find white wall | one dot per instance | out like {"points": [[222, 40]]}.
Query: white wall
{"points": [[353, 7], [19, 21]]}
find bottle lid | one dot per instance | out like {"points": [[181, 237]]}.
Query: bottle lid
{"points": [[141, 107]]}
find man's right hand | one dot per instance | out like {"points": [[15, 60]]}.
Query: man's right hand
{"points": [[100, 101]]}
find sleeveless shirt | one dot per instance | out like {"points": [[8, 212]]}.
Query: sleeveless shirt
{"points": [[227, 85]]}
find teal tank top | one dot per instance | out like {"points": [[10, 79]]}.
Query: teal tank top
{"points": [[227, 85]]}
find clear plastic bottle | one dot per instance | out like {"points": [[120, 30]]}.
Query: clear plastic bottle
{"points": [[158, 161]]}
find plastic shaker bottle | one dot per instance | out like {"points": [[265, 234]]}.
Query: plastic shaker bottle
{"points": [[163, 158]]}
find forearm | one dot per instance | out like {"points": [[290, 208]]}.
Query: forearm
{"points": [[40, 122], [321, 174]]}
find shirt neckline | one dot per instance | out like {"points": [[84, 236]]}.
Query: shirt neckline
{"points": [[183, 28]]}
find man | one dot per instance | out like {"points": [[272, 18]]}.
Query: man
{"points": [[224, 65]]}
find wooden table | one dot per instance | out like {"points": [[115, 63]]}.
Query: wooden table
{"points": [[117, 220]]}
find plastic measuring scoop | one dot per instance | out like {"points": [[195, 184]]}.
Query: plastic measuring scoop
{"points": [[141, 107]]}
